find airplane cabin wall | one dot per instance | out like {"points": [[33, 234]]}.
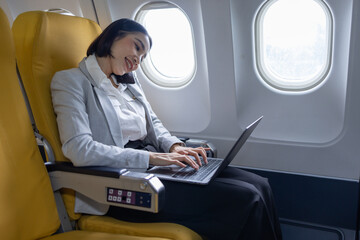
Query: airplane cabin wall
{"points": [[314, 133], [307, 132]]}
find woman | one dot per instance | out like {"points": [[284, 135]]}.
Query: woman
{"points": [[105, 119]]}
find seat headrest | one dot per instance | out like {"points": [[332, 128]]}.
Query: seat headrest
{"points": [[27, 204]]}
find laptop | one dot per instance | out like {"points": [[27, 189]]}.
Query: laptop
{"points": [[207, 172]]}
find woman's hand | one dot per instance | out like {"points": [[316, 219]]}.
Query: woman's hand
{"points": [[164, 159], [179, 155], [195, 152]]}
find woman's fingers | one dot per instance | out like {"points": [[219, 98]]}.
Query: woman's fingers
{"points": [[189, 161], [197, 153], [181, 157], [178, 163], [164, 159], [203, 154], [194, 152]]}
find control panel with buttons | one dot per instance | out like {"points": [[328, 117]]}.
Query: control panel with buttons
{"points": [[122, 196]]}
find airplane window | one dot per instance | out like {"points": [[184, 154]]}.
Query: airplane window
{"points": [[171, 61], [293, 43]]}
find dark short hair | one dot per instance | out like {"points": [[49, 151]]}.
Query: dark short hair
{"points": [[118, 29]]}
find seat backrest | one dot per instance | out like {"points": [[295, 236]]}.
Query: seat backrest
{"points": [[45, 43], [27, 205]]}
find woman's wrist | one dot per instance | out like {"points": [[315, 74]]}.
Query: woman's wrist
{"points": [[174, 146]]}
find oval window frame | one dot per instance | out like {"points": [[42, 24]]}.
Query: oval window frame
{"points": [[277, 83], [148, 67]]}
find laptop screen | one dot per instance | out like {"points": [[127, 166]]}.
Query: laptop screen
{"points": [[237, 146]]}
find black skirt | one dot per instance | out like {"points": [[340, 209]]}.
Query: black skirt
{"points": [[235, 205]]}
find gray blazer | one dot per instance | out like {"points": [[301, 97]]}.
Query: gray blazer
{"points": [[89, 128]]}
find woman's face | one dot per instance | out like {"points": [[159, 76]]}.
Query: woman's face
{"points": [[128, 52]]}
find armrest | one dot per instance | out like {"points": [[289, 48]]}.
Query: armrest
{"points": [[192, 142], [95, 171], [111, 186]]}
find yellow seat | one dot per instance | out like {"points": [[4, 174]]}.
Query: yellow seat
{"points": [[26, 196], [48, 42]]}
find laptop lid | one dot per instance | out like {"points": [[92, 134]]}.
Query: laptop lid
{"points": [[237, 146]]}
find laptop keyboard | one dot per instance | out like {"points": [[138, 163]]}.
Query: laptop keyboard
{"points": [[190, 173]]}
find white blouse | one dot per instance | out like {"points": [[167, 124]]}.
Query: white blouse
{"points": [[130, 112]]}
